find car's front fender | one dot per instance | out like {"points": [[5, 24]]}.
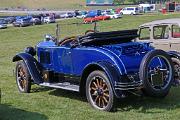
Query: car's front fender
{"points": [[110, 70], [32, 66], [113, 75]]}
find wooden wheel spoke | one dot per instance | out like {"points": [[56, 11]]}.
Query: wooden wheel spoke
{"points": [[103, 104], [95, 84], [101, 83], [96, 99], [105, 99], [93, 88], [106, 90], [97, 80], [104, 85], [107, 95], [24, 83], [99, 101]]}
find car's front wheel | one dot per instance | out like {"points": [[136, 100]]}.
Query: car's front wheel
{"points": [[23, 78], [99, 92]]}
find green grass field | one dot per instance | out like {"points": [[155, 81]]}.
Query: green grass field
{"points": [[50, 4], [56, 104]]}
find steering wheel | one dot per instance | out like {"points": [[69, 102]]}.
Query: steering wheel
{"points": [[90, 31], [67, 40]]}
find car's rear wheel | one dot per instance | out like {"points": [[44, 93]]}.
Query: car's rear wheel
{"points": [[99, 92], [156, 72], [23, 78]]}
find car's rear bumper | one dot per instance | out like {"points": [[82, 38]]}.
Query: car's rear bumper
{"points": [[128, 85]]}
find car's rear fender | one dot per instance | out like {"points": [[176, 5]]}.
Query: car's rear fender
{"points": [[174, 54], [32, 66], [110, 70]]}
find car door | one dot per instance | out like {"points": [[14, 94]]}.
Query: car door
{"points": [[175, 38], [160, 37], [62, 60]]}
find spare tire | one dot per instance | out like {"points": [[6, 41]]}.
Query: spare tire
{"points": [[156, 72]]}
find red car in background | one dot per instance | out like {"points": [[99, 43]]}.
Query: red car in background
{"points": [[117, 10], [89, 19], [96, 18], [102, 17]]}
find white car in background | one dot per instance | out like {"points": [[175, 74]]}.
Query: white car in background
{"points": [[3, 26], [82, 14], [49, 20], [67, 15], [113, 16], [129, 11]]}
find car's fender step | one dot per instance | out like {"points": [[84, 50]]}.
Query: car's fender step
{"points": [[64, 85]]}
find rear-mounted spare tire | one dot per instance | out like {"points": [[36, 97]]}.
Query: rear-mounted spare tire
{"points": [[156, 72]]}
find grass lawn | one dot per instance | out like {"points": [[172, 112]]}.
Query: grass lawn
{"points": [[49, 4], [56, 104]]}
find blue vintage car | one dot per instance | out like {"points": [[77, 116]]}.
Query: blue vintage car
{"points": [[103, 66]]}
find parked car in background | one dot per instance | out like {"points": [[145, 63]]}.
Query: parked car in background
{"points": [[67, 15], [36, 21], [89, 19], [165, 35], [117, 10], [3, 24], [147, 7], [10, 20], [130, 11], [102, 17], [49, 19], [82, 14], [113, 15], [93, 13], [22, 22]]}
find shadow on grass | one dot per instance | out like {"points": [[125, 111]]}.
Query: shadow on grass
{"points": [[40, 89], [132, 102], [8, 112], [68, 94]]}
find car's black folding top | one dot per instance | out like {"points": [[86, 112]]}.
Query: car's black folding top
{"points": [[105, 38]]}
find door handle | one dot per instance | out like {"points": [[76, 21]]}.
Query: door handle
{"points": [[68, 53]]}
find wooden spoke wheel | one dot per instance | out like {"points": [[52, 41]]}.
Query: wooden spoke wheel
{"points": [[23, 78], [99, 92]]}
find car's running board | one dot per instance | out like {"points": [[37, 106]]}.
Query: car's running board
{"points": [[65, 85]]}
